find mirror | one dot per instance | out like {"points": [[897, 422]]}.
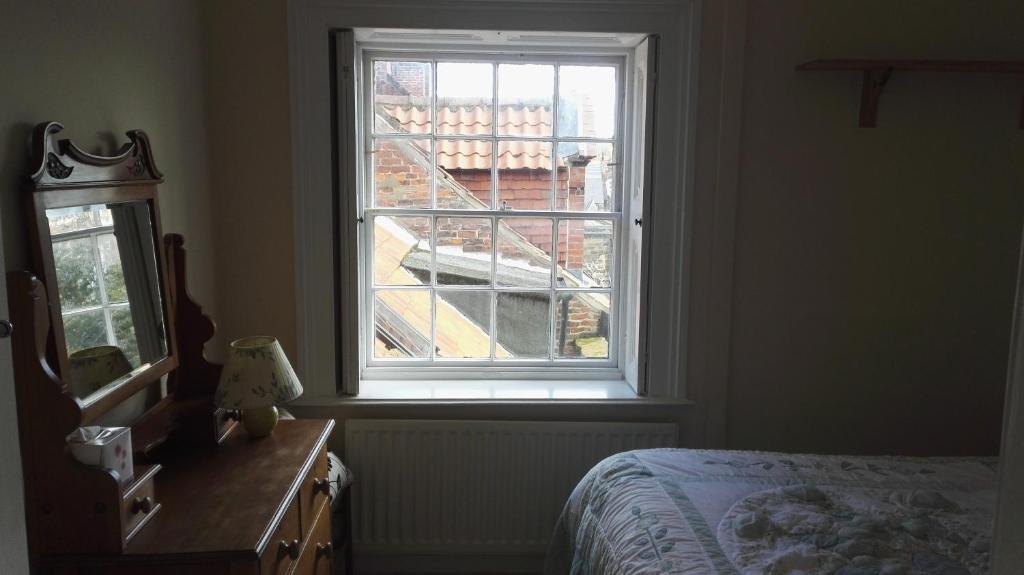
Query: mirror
{"points": [[111, 305]]}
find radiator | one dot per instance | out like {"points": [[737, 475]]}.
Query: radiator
{"points": [[427, 487]]}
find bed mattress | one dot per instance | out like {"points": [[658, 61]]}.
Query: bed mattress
{"points": [[729, 512]]}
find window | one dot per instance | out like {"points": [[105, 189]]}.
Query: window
{"points": [[93, 294], [493, 210]]}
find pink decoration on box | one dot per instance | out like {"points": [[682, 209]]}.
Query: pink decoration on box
{"points": [[106, 447]]}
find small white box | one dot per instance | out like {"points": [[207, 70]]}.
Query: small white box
{"points": [[106, 447]]}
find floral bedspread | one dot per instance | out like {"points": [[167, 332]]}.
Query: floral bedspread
{"points": [[660, 510]]}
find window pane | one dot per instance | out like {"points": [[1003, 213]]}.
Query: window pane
{"points": [[523, 320], [464, 174], [463, 324], [524, 252], [113, 273], [581, 325], [83, 330], [78, 218], [586, 101], [401, 250], [401, 173], [465, 96], [525, 97], [586, 177], [124, 333], [524, 175], [585, 253], [401, 320], [464, 251], [401, 97], [76, 274]]}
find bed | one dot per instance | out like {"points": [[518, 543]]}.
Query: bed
{"points": [[729, 512]]}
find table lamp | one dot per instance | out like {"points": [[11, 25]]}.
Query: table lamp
{"points": [[94, 367], [257, 376]]}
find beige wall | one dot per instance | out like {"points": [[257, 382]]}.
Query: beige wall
{"points": [[875, 269], [103, 68], [250, 160]]}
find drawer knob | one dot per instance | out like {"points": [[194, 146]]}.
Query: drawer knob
{"points": [[290, 549], [142, 504], [325, 549], [322, 485]]}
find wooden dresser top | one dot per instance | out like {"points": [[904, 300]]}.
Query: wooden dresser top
{"points": [[227, 499]]}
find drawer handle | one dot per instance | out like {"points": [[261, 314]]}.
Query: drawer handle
{"points": [[142, 504], [290, 549], [322, 485], [325, 549]]}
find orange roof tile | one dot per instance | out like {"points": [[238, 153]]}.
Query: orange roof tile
{"points": [[476, 155], [476, 120], [517, 120]]}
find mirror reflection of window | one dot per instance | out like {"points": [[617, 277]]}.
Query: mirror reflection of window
{"points": [[94, 301], [107, 280]]}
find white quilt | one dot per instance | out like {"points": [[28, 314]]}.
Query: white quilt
{"points": [[729, 512]]}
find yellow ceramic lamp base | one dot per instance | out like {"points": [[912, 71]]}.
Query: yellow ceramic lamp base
{"points": [[260, 421]]}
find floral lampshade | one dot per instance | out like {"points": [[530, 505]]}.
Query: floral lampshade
{"points": [[93, 367], [257, 374]]}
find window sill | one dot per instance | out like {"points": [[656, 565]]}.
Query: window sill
{"points": [[535, 392], [610, 400], [494, 390]]}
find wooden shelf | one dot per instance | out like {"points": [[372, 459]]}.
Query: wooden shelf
{"points": [[877, 72]]}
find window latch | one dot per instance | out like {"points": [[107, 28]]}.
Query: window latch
{"points": [[638, 222]]}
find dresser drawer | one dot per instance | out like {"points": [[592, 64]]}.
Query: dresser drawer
{"points": [[318, 554], [314, 491], [139, 503], [283, 548]]}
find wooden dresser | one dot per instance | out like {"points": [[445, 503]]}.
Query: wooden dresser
{"points": [[202, 497], [245, 507]]}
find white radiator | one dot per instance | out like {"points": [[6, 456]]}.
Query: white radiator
{"points": [[428, 487]]}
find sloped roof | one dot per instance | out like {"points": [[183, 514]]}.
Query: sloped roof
{"points": [[476, 155], [476, 121], [456, 334], [469, 119]]}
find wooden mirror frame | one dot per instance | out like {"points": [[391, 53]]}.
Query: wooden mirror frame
{"points": [[62, 175]]}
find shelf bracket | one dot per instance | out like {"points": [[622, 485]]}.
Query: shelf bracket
{"points": [[874, 81]]}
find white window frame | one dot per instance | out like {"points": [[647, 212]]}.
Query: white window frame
{"points": [[551, 368], [326, 355], [93, 235]]}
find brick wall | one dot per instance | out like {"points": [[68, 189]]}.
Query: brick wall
{"points": [[401, 79]]}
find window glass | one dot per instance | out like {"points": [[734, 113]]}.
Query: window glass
{"points": [[525, 97], [465, 98], [479, 250], [401, 97], [586, 101]]}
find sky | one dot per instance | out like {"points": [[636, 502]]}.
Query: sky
{"points": [[534, 82]]}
